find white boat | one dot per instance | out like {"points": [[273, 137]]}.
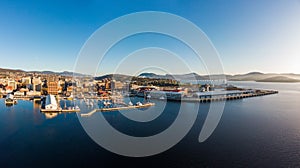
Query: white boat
{"points": [[10, 100], [87, 102], [139, 104], [130, 103], [161, 98], [106, 103]]}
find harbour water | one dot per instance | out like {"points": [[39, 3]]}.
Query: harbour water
{"points": [[254, 132]]}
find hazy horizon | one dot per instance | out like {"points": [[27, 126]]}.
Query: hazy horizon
{"points": [[146, 72]]}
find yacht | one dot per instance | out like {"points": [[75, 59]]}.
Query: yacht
{"points": [[139, 104], [10, 100]]}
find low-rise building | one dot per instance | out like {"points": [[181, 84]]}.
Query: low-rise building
{"points": [[19, 93]]}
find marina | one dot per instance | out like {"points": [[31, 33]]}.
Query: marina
{"points": [[117, 109]]}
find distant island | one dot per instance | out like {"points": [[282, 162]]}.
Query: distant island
{"points": [[279, 79], [269, 77]]}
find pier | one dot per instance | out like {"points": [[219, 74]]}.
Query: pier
{"points": [[51, 105], [59, 110], [116, 109]]}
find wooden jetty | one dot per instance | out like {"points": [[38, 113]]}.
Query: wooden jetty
{"points": [[116, 109]]}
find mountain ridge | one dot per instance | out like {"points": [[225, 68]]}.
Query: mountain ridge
{"points": [[63, 73], [251, 76]]}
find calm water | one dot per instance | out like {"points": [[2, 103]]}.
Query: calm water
{"points": [[256, 132]]}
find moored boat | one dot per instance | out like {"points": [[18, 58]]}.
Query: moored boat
{"points": [[9, 100]]}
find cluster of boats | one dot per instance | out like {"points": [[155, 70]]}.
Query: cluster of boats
{"points": [[90, 102], [106, 103]]}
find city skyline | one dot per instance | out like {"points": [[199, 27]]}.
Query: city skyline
{"points": [[249, 36]]}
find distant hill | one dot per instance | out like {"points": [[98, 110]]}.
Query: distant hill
{"points": [[254, 73], [279, 79], [189, 76], [252, 76], [118, 77], [10, 70], [64, 73], [152, 76]]}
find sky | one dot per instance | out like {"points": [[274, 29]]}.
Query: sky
{"points": [[249, 35]]}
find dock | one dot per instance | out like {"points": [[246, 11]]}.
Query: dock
{"points": [[116, 109], [213, 98]]}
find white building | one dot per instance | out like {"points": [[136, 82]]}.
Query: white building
{"points": [[51, 103], [32, 93], [18, 93], [26, 80], [35, 83]]}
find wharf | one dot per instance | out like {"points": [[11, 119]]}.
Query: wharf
{"points": [[213, 98], [217, 96]]}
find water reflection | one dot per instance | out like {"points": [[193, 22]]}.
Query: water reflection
{"points": [[9, 105], [50, 115], [37, 117]]}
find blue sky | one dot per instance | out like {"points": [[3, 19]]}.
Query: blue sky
{"points": [[250, 35]]}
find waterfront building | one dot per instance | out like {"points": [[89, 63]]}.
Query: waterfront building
{"points": [[165, 94], [12, 84], [51, 103]]}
